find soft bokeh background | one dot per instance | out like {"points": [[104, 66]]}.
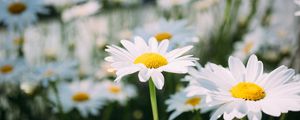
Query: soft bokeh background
{"points": [[70, 38]]}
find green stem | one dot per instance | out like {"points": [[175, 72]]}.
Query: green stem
{"points": [[283, 116], [59, 105], [153, 99]]}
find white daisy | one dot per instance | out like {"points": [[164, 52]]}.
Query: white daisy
{"points": [[117, 92], [11, 70], [18, 14], [180, 102], [56, 71], [80, 11], [245, 90], [250, 44], [81, 95], [149, 59], [178, 32]]}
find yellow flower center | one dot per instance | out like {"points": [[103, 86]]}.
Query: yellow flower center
{"points": [[5, 69], [81, 97], [114, 89], [162, 36], [193, 101], [17, 8], [151, 60], [248, 47], [248, 91]]}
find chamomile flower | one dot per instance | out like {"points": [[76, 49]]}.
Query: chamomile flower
{"points": [[150, 60], [245, 90], [81, 95], [18, 14], [11, 70], [250, 44], [56, 71], [80, 11], [177, 32], [180, 102], [117, 92]]}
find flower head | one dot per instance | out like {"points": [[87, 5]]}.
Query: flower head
{"points": [[117, 92], [150, 60], [81, 95], [246, 90], [180, 102], [177, 32], [18, 14]]}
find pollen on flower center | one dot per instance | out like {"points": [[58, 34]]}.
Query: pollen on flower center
{"points": [[81, 97], [248, 91], [163, 35], [248, 47], [193, 101], [114, 89], [151, 60], [17, 8], [6, 69]]}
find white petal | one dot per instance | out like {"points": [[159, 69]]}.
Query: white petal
{"points": [[130, 47], [174, 115], [237, 68], [163, 46], [153, 45], [144, 75], [254, 69], [254, 115], [178, 52], [158, 79]]}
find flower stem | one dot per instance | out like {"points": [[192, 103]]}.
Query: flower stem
{"points": [[153, 99]]}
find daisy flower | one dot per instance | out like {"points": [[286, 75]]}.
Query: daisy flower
{"points": [[245, 90], [178, 32], [18, 14], [81, 95], [80, 11], [117, 92], [150, 60], [180, 102], [11, 70], [56, 71], [250, 44]]}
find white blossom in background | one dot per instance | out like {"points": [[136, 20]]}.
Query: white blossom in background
{"points": [[120, 92], [177, 32], [250, 44], [19, 14], [56, 71], [180, 103], [11, 70], [80, 95], [80, 11]]}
